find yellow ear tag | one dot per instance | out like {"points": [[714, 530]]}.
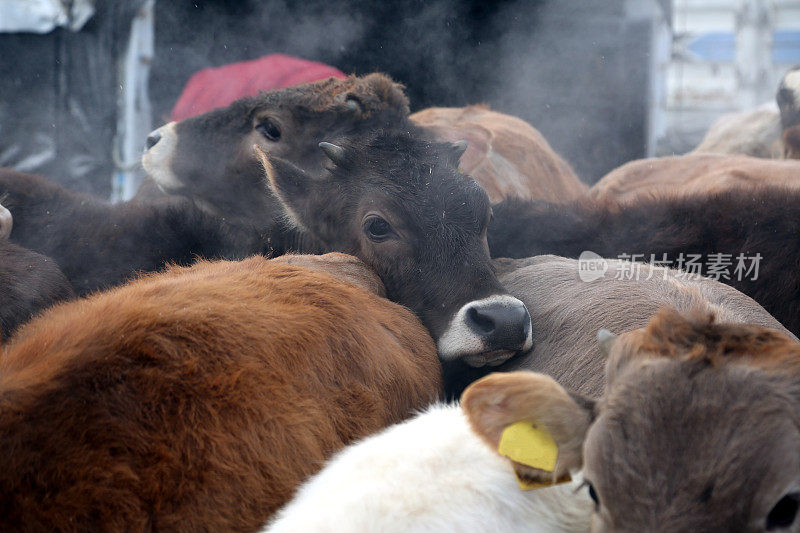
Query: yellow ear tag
{"points": [[530, 445]]}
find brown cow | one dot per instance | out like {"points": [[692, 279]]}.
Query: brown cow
{"points": [[693, 174], [197, 399], [505, 155], [567, 310], [763, 133], [697, 431]]}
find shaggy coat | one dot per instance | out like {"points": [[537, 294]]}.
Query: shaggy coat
{"points": [[763, 221], [29, 283], [199, 398], [697, 430], [99, 245]]}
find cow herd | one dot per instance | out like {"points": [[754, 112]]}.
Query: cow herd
{"points": [[274, 333]]}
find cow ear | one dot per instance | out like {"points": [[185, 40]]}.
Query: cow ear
{"points": [[6, 222], [290, 185], [532, 420]]}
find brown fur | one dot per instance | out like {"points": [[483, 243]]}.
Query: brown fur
{"points": [[505, 155], [566, 314], [697, 430], [693, 174], [199, 398], [755, 132]]}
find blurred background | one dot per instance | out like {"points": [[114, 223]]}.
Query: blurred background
{"points": [[84, 81]]}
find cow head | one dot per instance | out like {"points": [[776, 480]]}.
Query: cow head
{"points": [[6, 222], [698, 429], [788, 98], [210, 159], [398, 204]]}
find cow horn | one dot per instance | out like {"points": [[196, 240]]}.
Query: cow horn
{"points": [[605, 339], [460, 147], [334, 152]]}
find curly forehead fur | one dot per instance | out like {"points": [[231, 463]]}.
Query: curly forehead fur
{"points": [[374, 92], [699, 337]]}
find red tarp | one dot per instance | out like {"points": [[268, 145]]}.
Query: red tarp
{"points": [[211, 88]]}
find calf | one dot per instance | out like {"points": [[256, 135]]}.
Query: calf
{"points": [[697, 430], [505, 155], [399, 204], [98, 245], [719, 162], [754, 132], [788, 98], [209, 157], [29, 282], [567, 310], [758, 226], [197, 399], [429, 474], [367, 486]]}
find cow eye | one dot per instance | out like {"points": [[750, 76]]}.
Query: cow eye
{"points": [[593, 494], [784, 512], [377, 229], [268, 129]]}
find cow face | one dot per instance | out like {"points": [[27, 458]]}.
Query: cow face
{"points": [[788, 98], [698, 429], [210, 159], [398, 204], [6, 222]]}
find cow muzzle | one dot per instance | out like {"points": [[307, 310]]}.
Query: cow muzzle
{"points": [[157, 158], [487, 331]]}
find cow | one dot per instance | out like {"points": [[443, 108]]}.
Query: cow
{"points": [[505, 154], [388, 482], [697, 429], [431, 473], [788, 99], [568, 308], [754, 132], [99, 245], [746, 237], [198, 398], [398, 203], [209, 159], [693, 174], [760, 132], [730, 155], [29, 282]]}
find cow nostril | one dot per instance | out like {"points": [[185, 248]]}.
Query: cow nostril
{"points": [[479, 322], [502, 324], [152, 140]]}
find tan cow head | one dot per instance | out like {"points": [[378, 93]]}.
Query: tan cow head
{"points": [[698, 429]]}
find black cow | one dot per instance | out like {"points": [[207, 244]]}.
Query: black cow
{"points": [[98, 245], [761, 224], [398, 203]]}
